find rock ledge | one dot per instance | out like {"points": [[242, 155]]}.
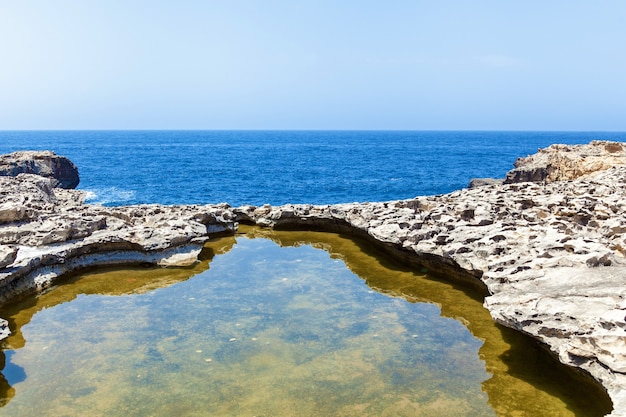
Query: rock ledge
{"points": [[46, 232]]}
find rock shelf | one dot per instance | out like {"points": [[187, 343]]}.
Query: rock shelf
{"points": [[46, 232], [547, 244]]}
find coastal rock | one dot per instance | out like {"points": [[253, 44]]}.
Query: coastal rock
{"points": [[479, 182], [43, 163], [567, 162], [46, 232], [7, 255]]}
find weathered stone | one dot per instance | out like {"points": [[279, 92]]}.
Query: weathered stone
{"points": [[44, 163], [46, 232], [567, 162], [7, 255], [480, 182]]}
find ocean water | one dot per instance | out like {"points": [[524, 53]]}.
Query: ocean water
{"points": [[279, 167]]}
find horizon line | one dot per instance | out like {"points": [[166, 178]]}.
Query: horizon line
{"points": [[311, 130]]}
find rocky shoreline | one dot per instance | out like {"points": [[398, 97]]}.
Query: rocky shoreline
{"points": [[547, 244]]}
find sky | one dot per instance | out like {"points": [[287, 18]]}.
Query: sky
{"points": [[338, 64]]}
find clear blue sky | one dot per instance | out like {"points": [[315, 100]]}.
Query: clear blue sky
{"points": [[134, 64]]}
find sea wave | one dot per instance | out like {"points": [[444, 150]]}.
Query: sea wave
{"points": [[109, 196]]}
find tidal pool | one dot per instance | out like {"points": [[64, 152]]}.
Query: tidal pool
{"points": [[277, 324]]}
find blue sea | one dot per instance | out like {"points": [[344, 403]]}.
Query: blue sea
{"points": [[279, 167]]}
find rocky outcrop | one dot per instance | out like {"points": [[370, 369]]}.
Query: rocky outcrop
{"points": [[46, 232], [561, 163], [567, 162], [551, 257], [43, 163]]}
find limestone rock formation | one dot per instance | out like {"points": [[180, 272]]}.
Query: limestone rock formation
{"points": [[479, 182], [43, 163], [46, 232], [567, 162], [7, 255]]}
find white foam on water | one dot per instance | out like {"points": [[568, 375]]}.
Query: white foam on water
{"points": [[108, 195], [90, 195]]}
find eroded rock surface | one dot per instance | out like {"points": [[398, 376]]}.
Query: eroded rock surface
{"points": [[567, 162], [43, 163], [46, 232]]}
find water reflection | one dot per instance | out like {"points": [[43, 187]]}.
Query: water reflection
{"points": [[526, 380], [519, 378]]}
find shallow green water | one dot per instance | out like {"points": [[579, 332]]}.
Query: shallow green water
{"points": [[275, 331]]}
